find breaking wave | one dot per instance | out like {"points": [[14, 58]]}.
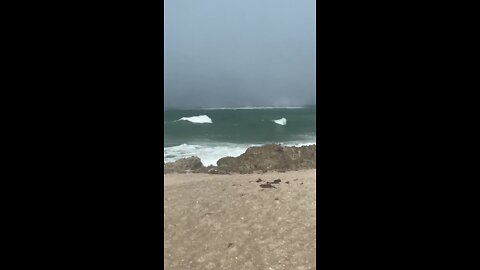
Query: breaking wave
{"points": [[200, 119], [253, 108], [281, 121], [208, 154]]}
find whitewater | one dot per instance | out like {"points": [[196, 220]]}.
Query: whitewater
{"points": [[200, 119], [210, 154], [212, 134], [281, 121]]}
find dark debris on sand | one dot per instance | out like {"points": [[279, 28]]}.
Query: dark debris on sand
{"points": [[275, 182], [267, 185]]}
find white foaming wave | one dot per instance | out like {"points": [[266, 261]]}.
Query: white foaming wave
{"points": [[253, 108], [200, 119], [208, 154], [299, 144], [281, 121]]}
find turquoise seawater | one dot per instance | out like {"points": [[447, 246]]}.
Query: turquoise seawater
{"points": [[214, 133]]}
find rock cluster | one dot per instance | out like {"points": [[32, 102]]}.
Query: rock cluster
{"points": [[183, 165], [270, 157]]}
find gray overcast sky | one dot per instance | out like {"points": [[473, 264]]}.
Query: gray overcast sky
{"points": [[236, 53]]}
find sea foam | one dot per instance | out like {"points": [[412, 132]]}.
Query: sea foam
{"points": [[209, 154], [253, 108], [200, 119], [299, 143], [281, 121]]}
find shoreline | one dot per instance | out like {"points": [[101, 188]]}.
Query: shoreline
{"points": [[211, 152], [264, 158]]}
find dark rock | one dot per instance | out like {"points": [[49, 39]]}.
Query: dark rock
{"points": [[271, 157], [212, 171], [184, 165], [226, 162]]}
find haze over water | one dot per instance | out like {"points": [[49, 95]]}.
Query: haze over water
{"points": [[238, 53]]}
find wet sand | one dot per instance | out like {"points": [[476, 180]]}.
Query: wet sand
{"points": [[234, 222]]}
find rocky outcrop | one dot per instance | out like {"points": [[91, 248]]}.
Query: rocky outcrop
{"points": [[270, 157], [183, 165]]}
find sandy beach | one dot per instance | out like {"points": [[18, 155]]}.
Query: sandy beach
{"points": [[240, 222]]}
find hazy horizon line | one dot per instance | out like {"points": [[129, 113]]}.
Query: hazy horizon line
{"points": [[243, 108]]}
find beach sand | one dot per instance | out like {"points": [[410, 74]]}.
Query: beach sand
{"points": [[230, 222]]}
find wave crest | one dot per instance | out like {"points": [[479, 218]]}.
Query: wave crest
{"points": [[281, 121], [200, 119], [253, 108], [208, 154]]}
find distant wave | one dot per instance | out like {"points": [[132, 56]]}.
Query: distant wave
{"points": [[201, 119], [253, 108], [281, 121]]}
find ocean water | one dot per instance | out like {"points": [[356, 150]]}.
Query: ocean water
{"points": [[212, 134]]}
